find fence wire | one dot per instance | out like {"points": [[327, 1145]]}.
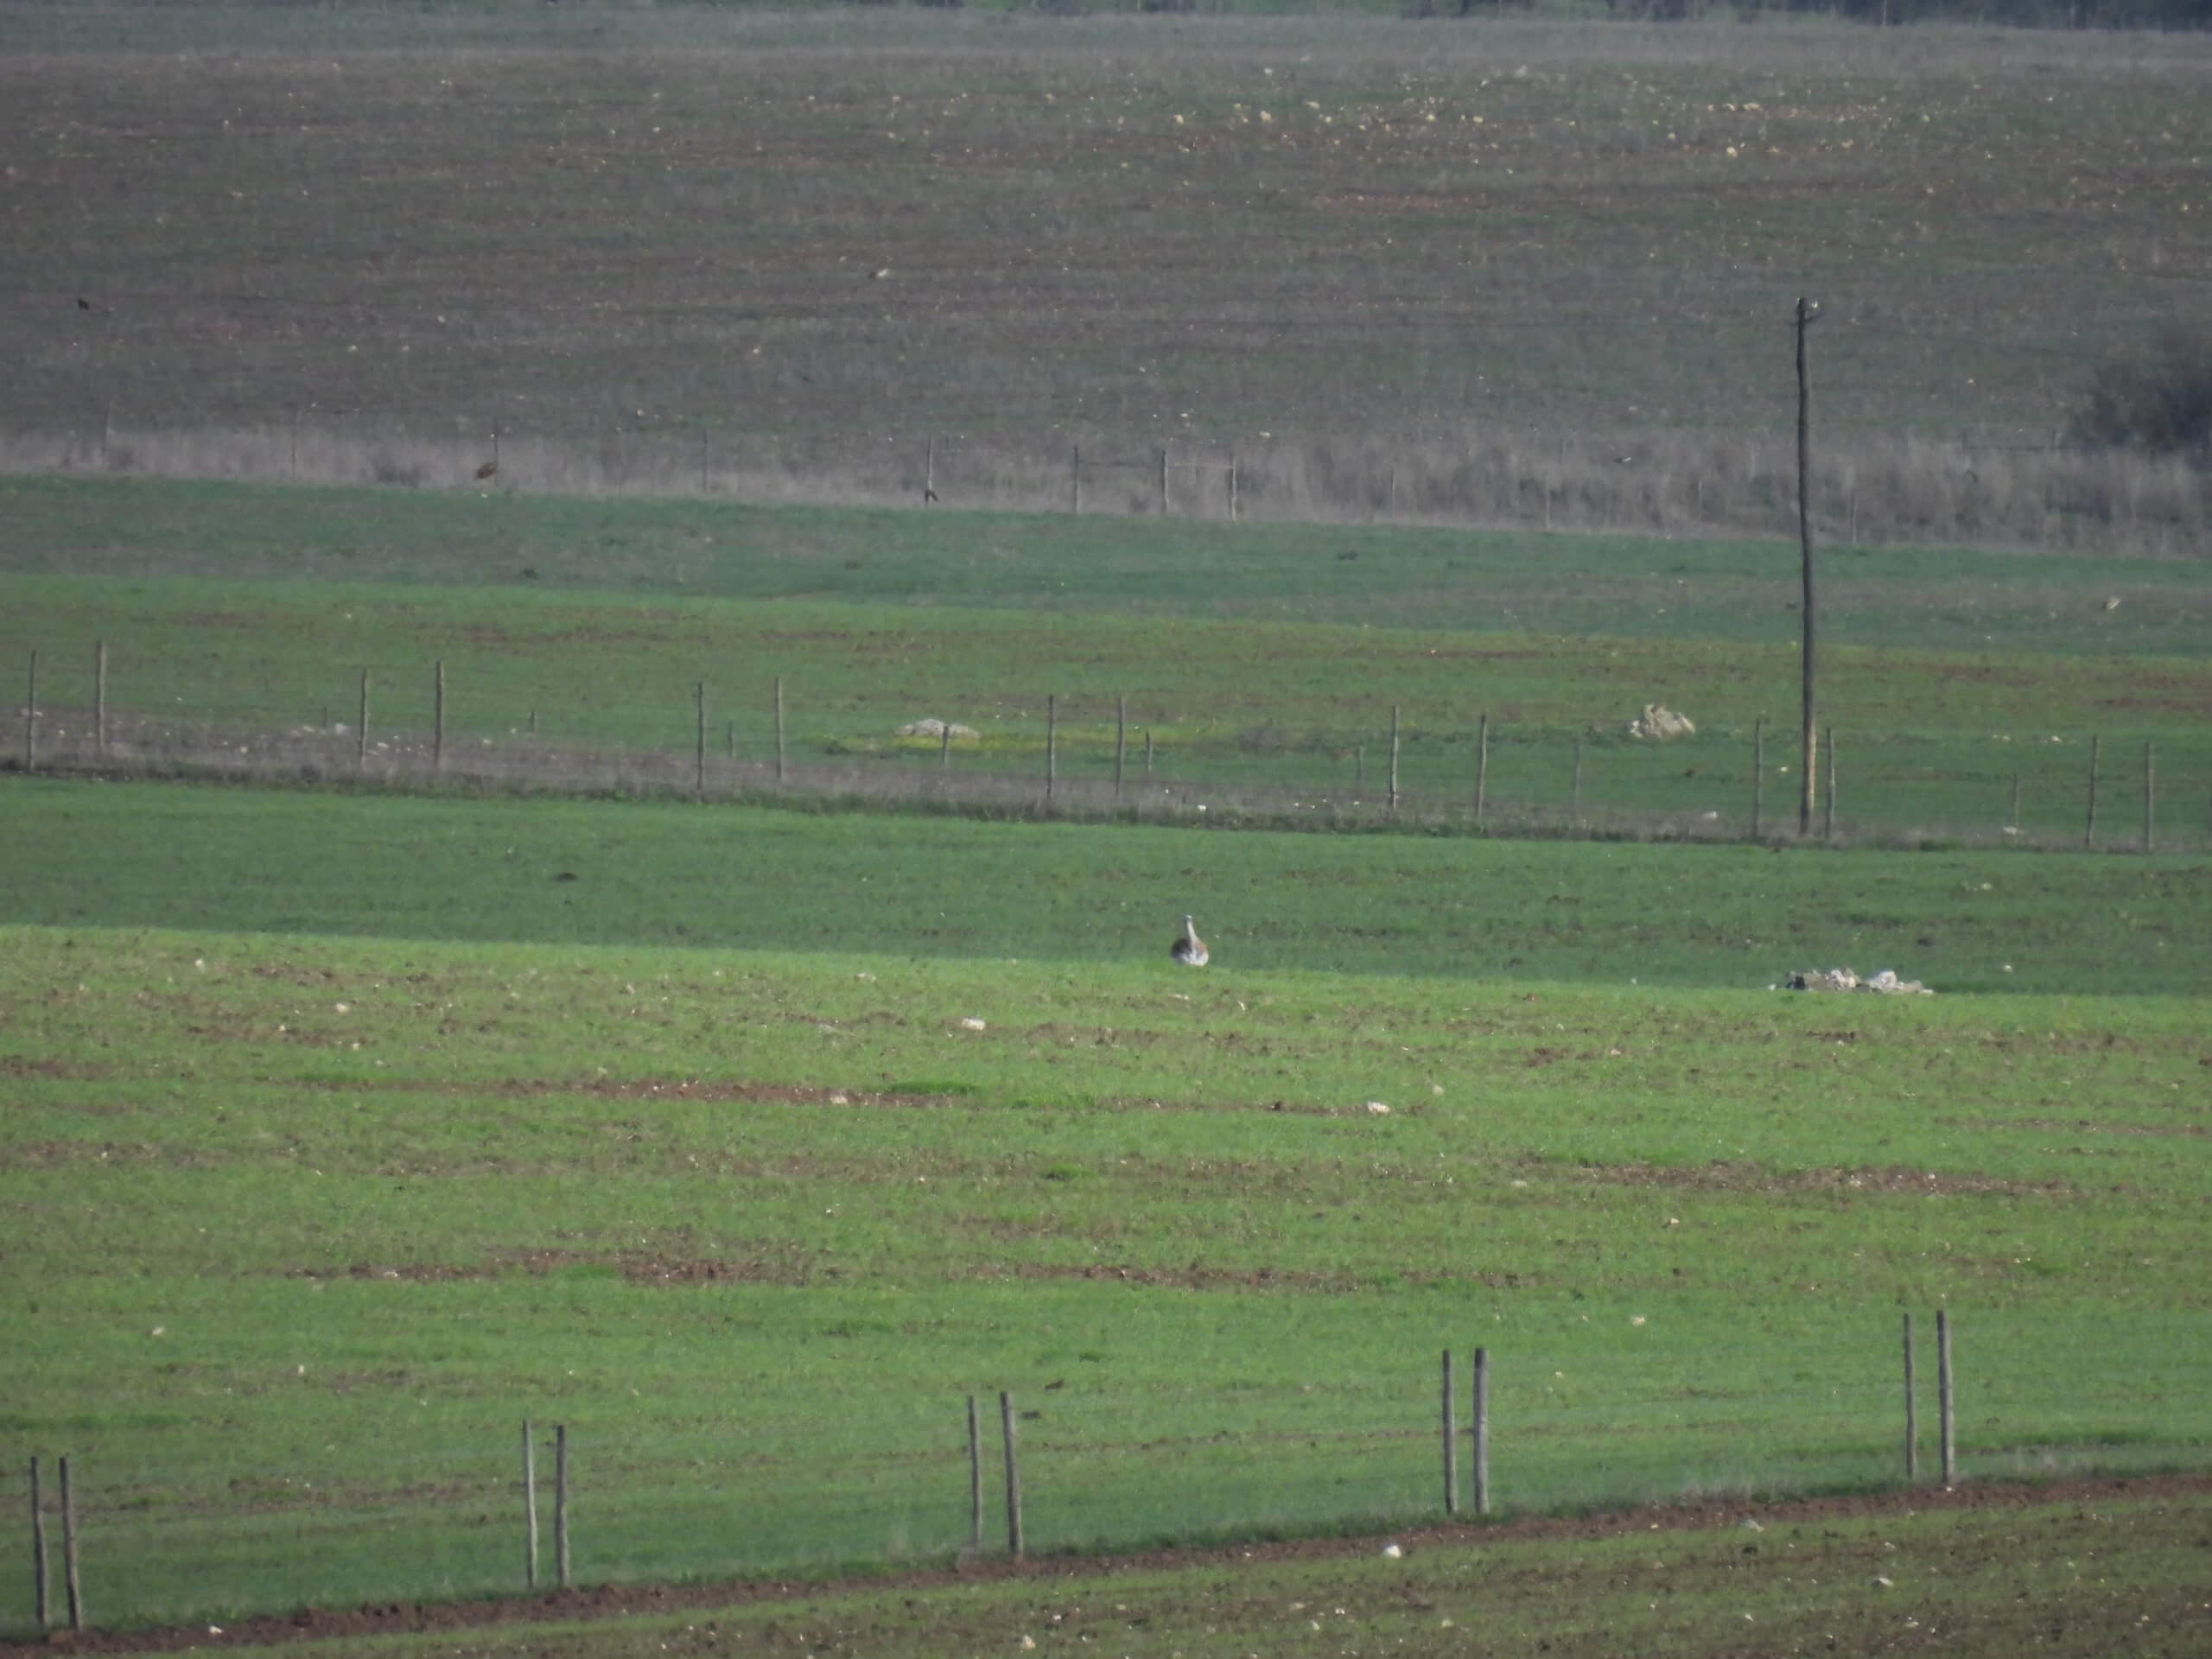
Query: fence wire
{"points": [[784, 1487]]}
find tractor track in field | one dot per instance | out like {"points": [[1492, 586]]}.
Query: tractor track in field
{"points": [[611, 1601]]}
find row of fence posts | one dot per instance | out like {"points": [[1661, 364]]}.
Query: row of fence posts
{"points": [[1477, 1434], [42, 1569], [1160, 457], [1121, 751]]}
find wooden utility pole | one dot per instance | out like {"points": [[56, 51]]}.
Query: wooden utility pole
{"points": [[1808, 311]]}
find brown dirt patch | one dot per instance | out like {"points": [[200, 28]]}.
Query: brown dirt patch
{"points": [[642, 1267], [1731, 1176], [619, 1601]]}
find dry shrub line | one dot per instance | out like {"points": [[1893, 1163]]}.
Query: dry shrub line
{"points": [[1868, 489], [104, 741], [1477, 1433]]}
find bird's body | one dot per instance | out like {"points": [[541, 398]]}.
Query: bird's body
{"points": [[490, 468], [1189, 949]]}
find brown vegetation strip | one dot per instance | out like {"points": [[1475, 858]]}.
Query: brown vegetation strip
{"points": [[2082, 1126], [638, 1268], [1731, 1176], [626, 1600]]}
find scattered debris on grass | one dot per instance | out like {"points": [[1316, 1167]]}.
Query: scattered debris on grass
{"points": [[1659, 722], [1886, 983]]}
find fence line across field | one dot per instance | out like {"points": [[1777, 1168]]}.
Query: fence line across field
{"points": [[247, 740], [1474, 1433]]}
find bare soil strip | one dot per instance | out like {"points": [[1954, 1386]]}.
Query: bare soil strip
{"points": [[623, 1600]]}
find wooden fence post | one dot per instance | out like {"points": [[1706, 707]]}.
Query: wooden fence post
{"points": [[1393, 756], [1052, 743], [944, 745], [1234, 507], [929, 472], [2089, 835], [1359, 767], [1945, 1400], [1758, 773], [71, 1578], [561, 1505], [1482, 767], [99, 700], [30, 718], [1911, 1410], [1163, 480], [529, 1507], [1451, 1439], [1481, 1431], [438, 723], [779, 729], [699, 747], [1147, 751], [1575, 791], [1012, 1476], [1075, 479], [1121, 735], [2150, 793], [361, 728], [39, 1572], [1828, 829], [2014, 823], [975, 1478]]}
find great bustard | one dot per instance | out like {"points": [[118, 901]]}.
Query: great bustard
{"points": [[1190, 950]]}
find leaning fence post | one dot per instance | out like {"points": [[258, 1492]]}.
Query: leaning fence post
{"points": [[70, 1575], [561, 1504], [99, 700], [39, 1569], [975, 1479], [1911, 1410], [1012, 1476], [1944, 1399], [529, 1507], [1393, 756], [1482, 767], [2150, 792], [1758, 773], [1481, 1431], [1121, 736], [1451, 1439], [2089, 835]]}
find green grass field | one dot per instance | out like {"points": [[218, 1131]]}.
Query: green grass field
{"points": [[1252, 657], [344, 1127], [308, 1225]]}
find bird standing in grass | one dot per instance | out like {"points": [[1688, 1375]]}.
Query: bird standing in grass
{"points": [[1190, 950]]}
